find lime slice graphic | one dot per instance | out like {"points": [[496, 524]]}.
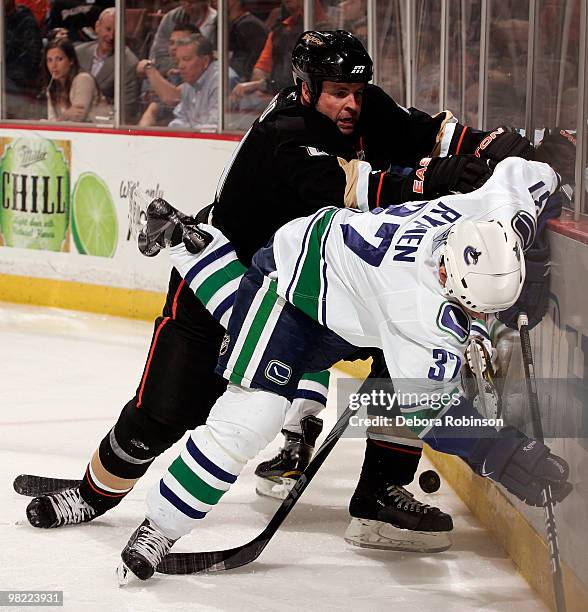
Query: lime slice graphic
{"points": [[94, 223]]}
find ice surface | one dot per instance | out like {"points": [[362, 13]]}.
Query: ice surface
{"points": [[64, 378]]}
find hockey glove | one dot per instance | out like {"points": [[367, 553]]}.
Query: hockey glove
{"points": [[167, 226], [482, 393], [558, 149], [534, 298], [439, 176], [502, 143], [523, 465]]}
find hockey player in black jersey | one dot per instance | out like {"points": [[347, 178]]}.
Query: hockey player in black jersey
{"points": [[329, 139]]}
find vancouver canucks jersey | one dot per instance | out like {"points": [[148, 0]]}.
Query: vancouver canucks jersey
{"points": [[373, 278]]}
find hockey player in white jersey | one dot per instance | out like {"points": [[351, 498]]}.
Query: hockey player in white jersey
{"points": [[407, 279]]}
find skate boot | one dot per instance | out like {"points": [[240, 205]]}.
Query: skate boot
{"points": [[277, 476], [146, 547], [167, 227], [392, 518], [505, 339], [478, 380], [64, 508]]}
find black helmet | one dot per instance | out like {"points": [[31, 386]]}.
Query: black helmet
{"points": [[330, 56]]}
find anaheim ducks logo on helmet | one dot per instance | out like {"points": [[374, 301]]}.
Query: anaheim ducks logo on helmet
{"points": [[312, 38]]}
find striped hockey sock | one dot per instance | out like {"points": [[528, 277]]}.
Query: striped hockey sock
{"points": [[193, 484]]}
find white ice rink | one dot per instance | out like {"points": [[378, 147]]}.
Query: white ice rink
{"points": [[64, 378]]}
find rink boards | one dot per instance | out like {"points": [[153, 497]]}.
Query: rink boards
{"points": [[51, 177]]}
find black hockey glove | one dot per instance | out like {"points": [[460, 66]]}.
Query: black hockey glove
{"points": [[439, 176], [523, 465], [558, 149], [502, 143], [534, 298]]}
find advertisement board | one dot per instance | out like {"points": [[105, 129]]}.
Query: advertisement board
{"points": [[64, 200], [35, 200]]}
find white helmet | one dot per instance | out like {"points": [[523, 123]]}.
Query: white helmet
{"points": [[485, 265]]}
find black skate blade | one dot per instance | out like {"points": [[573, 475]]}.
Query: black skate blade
{"points": [[213, 561], [32, 486]]}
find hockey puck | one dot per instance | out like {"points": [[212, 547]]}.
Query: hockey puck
{"points": [[429, 481]]}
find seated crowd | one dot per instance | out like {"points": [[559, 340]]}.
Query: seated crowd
{"points": [[60, 59]]}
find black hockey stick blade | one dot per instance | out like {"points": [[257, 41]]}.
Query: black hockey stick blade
{"points": [[31, 485], [550, 524], [218, 560]]}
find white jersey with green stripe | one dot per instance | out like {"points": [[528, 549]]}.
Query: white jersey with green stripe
{"points": [[373, 278]]}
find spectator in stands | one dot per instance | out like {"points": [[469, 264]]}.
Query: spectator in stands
{"points": [[158, 112], [169, 65], [22, 56], [197, 97], [38, 8], [247, 38], [273, 69], [72, 95], [97, 58], [57, 34], [78, 17], [198, 12]]}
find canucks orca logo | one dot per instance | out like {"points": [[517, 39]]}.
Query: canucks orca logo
{"points": [[471, 253]]}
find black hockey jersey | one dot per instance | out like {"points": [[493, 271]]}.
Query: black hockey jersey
{"points": [[294, 160]]}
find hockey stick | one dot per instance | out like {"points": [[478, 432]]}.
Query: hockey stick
{"points": [[550, 526], [31, 485], [218, 560]]}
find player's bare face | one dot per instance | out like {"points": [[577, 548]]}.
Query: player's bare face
{"points": [[341, 103]]}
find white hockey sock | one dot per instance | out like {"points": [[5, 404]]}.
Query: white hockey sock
{"points": [[241, 423]]}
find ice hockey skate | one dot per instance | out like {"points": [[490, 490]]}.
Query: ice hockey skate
{"points": [[167, 226], [277, 476], [146, 547], [393, 519], [64, 508], [478, 378]]}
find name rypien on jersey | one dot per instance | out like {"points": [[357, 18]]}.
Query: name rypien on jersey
{"points": [[337, 266]]}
